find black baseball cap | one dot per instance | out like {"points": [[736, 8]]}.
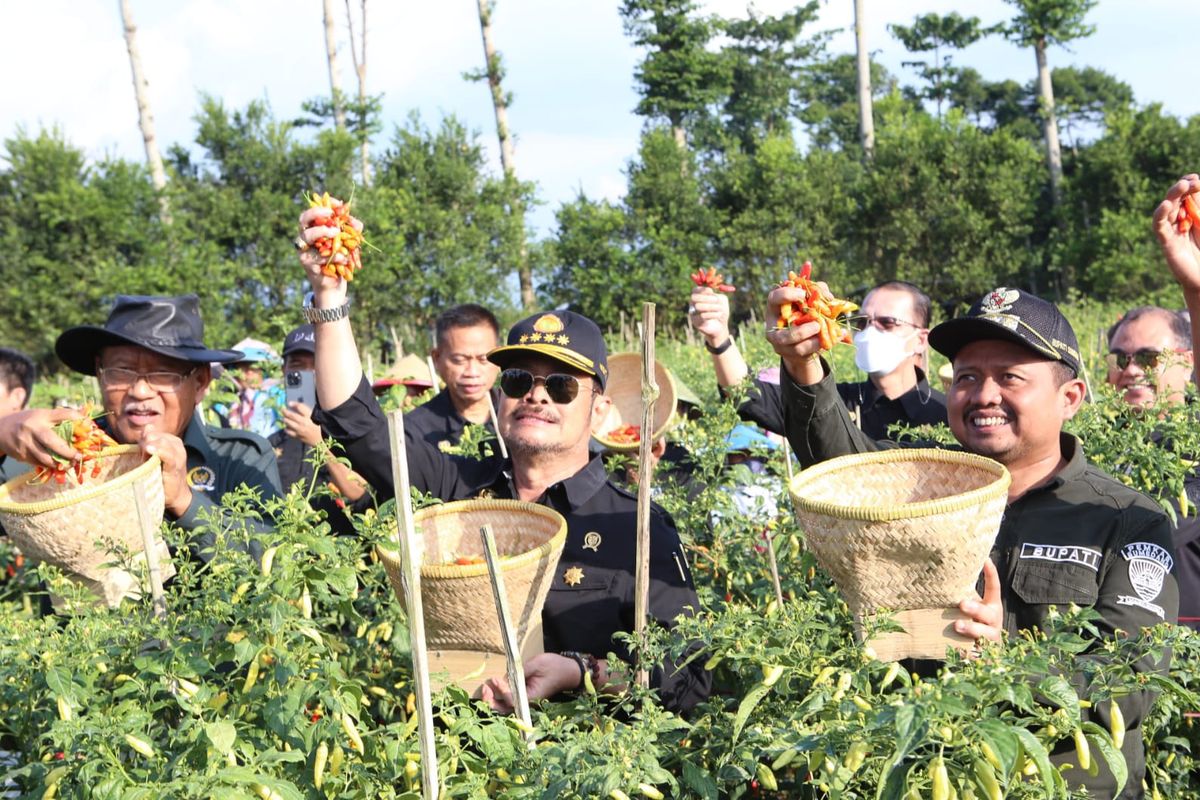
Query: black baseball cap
{"points": [[1015, 316], [565, 336], [300, 340]]}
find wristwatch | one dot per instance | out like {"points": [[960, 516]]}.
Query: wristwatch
{"points": [[588, 665], [721, 348], [315, 315]]}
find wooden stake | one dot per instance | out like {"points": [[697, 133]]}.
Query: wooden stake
{"points": [[370, 369], [149, 529], [512, 648], [774, 566], [496, 427], [411, 551], [641, 579], [433, 376]]}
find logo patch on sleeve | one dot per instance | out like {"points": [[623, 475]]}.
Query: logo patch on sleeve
{"points": [[1061, 552], [1149, 566]]}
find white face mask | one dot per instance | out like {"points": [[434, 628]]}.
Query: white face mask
{"points": [[879, 353]]}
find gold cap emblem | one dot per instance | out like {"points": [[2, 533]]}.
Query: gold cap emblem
{"points": [[548, 323]]}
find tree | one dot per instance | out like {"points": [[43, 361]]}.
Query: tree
{"points": [[141, 89], [335, 76], [862, 63], [1040, 24], [831, 107], [494, 74], [936, 32], [358, 54], [680, 76]]}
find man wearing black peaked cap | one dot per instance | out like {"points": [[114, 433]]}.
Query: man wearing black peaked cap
{"points": [[554, 368], [1070, 533], [153, 369]]}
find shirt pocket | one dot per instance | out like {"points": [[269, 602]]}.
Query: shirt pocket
{"points": [[1058, 583], [584, 616]]}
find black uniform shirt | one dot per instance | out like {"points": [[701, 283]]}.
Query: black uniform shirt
{"points": [[438, 421], [1083, 537], [592, 594], [293, 457], [869, 408]]}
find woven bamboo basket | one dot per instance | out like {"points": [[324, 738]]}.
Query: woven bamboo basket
{"points": [[905, 532], [75, 526], [624, 387], [460, 610]]}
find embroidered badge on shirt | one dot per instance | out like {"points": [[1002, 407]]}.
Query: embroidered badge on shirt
{"points": [[1149, 566], [202, 478], [1057, 552], [591, 541], [573, 576]]}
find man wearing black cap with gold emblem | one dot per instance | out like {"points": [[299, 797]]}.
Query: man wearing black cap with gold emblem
{"points": [[153, 369], [1070, 533], [552, 398]]}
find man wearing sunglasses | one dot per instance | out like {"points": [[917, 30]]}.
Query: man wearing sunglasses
{"points": [[1150, 355], [1069, 534], [153, 369], [891, 339], [554, 369]]}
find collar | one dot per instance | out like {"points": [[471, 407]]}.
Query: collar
{"points": [[194, 438], [577, 489], [1072, 450], [911, 401]]}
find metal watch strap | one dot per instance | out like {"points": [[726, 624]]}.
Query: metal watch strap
{"points": [[315, 315]]}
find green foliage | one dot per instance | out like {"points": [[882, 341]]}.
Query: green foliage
{"points": [[935, 32]]}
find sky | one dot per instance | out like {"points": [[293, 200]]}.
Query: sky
{"points": [[569, 66]]}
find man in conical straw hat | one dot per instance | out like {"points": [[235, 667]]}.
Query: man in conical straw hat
{"points": [[1070, 534], [554, 369]]}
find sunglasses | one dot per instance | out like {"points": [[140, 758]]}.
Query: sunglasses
{"points": [[561, 388], [886, 324], [1146, 360]]}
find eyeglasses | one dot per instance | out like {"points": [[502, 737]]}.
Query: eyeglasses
{"points": [[119, 378], [1146, 360], [561, 388], [887, 324]]}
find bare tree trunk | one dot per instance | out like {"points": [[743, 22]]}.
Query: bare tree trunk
{"points": [[866, 113], [335, 77], [360, 69], [158, 175], [507, 155], [1049, 122]]}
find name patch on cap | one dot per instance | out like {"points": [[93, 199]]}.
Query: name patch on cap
{"points": [[1063, 553], [1149, 566]]}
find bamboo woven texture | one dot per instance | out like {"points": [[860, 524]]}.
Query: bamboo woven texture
{"points": [[902, 529], [624, 388], [77, 526], [460, 610]]}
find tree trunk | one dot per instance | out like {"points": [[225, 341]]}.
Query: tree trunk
{"points": [[507, 156], [360, 69], [1049, 122], [866, 113], [158, 176], [335, 78]]}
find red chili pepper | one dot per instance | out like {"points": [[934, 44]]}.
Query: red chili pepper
{"points": [[712, 279], [347, 242], [819, 306]]}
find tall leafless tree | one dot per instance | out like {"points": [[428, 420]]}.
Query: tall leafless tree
{"points": [[358, 53], [866, 117], [335, 76], [507, 155], [158, 175]]}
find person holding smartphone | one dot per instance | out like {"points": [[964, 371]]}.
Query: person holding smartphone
{"points": [[293, 445]]}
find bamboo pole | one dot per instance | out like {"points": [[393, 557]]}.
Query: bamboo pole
{"points": [[149, 528], [411, 550], [496, 427], [641, 580], [512, 648], [433, 376]]}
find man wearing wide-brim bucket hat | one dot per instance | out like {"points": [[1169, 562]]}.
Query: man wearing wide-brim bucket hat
{"points": [[154, 368], [554, 370], [1070, 533]]}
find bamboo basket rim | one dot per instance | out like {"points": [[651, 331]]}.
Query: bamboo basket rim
{"points": [[670, 389], [462, 571], [925, 508], [65, 499]]}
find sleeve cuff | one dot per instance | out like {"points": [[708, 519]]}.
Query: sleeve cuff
{"points": [[816, 400], [191, 519], [358, 416]]}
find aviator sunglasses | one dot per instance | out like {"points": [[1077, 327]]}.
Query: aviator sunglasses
{"points": [[1146, 360], [561, 388]]}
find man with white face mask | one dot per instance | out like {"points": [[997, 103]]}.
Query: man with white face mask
{"points": [[891, 340]]}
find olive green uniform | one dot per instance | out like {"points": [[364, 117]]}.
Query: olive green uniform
{"points": [[219, 460], [1081, 538]]}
